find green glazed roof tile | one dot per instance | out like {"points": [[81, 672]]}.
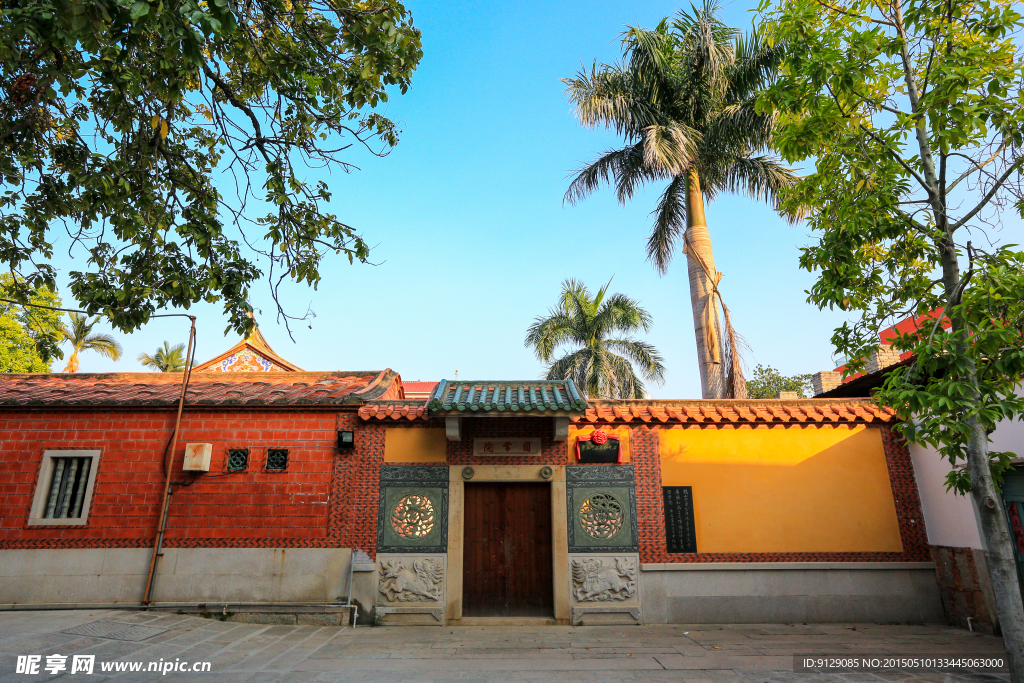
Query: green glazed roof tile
{"points": [[491, 396]]}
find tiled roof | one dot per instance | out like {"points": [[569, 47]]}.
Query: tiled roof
{"points": [[774, 411], [747, 411], [419, 389], [541, 396], [394, 410], [161, 389]]}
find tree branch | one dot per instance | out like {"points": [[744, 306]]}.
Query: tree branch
{"points": [[988, 196]]}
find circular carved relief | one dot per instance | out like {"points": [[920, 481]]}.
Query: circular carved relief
{"points": [[413, 516], [601, 515]]}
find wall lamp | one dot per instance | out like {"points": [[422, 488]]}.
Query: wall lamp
{"points": [[346, 440]]}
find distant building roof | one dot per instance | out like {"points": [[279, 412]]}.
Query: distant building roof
{"points": [[252, 354], [161, 389], [419, 390]]}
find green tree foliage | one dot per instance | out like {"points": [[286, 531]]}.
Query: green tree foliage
{"points": [[29, 337], [684, 100], [912, 112], [767, 382], [81, 337], [602, 366], [166, 359], [160, 135]]}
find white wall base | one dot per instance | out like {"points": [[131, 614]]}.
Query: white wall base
{"points": [[184, 575], [737, 593]]}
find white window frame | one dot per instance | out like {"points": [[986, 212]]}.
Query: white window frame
{"points": [[44, 482]]}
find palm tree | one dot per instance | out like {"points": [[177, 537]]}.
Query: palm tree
{"points": [[587, 321], [683, 98], [82, 338], [168, 359]]}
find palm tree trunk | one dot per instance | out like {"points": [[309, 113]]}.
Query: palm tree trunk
{"points": [[700, 266], [72, 365]]}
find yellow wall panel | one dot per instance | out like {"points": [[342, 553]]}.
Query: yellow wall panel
{"points": [[823, 489], [409, 444]]}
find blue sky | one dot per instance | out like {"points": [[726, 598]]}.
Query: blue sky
{"points": [[472, 238]]}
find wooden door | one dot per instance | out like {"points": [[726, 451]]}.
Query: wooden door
{"points": [[507, 550]]}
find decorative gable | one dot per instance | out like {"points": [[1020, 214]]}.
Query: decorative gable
{"points": [[252, 354]]}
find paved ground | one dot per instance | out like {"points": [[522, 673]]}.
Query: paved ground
{"points": [[595, 654]]}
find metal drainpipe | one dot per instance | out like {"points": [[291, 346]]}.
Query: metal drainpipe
{"points": [[348, 600], [168, 462]]}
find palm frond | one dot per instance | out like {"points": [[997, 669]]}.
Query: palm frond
{"points": [[103, 344], [622, 314], [669, 224], [610, 97], [586, 321], [737, 130], [623, 167], [648, 55], [755, 67], [574, 366], [548, 333], [625, 383], [641, 354], [762, 178], [670, 149]]}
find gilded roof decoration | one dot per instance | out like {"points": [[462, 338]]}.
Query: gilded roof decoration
{"points": [[252, 354]]}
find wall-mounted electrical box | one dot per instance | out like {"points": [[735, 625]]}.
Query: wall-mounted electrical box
{"points": [[197, 457]]}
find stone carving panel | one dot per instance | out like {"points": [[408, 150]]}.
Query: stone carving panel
{"points": [[409, 580], [604, 579], [412, 514], [601, 515], [601, 509]]}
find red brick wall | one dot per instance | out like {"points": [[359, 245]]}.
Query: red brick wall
{"points": [[960, 588], [295, 508], [325, 498]]}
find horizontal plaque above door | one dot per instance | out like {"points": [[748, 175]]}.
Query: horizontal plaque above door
{"points": [[506, 446]]}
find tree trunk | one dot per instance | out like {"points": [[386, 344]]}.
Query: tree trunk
{"points": [[995, 535], [699, 263], [992, 523]]}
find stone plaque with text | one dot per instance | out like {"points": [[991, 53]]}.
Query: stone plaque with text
{"points": [[680, 530]]}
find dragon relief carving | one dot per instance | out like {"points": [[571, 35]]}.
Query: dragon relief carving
{"points": [[420, 582], [595, 582]]}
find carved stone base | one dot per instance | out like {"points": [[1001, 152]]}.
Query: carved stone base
{"points": [[576, 613], [604, 583], [412, 584]]}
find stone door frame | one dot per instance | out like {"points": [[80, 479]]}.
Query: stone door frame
{"points": [[456, 528]]}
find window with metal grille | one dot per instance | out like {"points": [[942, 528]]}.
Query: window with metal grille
{"points": [[238, 459], [67, 488], [64, 488], [277, 459]]}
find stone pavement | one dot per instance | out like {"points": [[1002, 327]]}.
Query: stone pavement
{"points": [[758, 653]]}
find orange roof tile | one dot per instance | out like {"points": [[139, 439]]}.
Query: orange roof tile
{"points": [[745, 411], [394, 410]]}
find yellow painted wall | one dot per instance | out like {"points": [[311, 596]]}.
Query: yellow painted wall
{"points": [[407, 444], [811, 489], [620, 433]]}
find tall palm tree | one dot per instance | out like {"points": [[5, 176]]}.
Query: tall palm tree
{"points": [[168, 359], [588, 321], [82, 338], [683, 98]]}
